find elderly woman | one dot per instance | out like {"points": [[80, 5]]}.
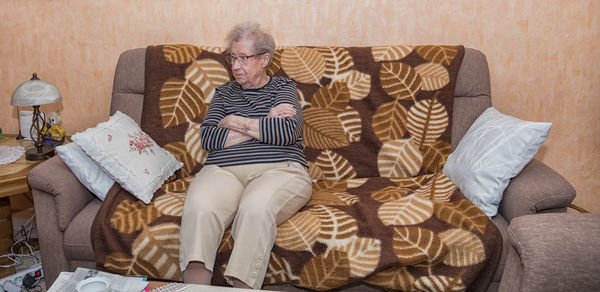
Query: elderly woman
{"points": [[255, 175]]}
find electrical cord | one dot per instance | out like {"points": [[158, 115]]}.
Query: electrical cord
{"points": [[17, 249], [37, 288]]}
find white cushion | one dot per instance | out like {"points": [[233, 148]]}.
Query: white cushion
{"points": [[494, 150], [85, 169], [128, 155]]}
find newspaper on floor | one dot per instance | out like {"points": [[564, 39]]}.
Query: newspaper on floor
{"points": [[118, 283]]}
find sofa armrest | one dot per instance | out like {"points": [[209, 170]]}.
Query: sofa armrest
{"points": [[538, 188], [553, 252], [54, 177]]}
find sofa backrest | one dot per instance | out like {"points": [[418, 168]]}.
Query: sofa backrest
{"points": [[472, 92]]}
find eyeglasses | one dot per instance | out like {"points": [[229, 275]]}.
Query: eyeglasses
{"points": [[243, 60]]}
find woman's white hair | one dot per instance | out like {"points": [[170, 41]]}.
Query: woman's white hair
{"points": [[261, 39]]}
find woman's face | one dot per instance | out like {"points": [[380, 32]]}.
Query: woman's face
{"points": [[249, 75]]}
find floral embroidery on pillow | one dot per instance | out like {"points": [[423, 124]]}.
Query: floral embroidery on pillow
{"points": [[109, 138], [140, 143]]}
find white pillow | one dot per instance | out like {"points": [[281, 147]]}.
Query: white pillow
{"points": [[128, 155], [85, 169], [494, 150]]}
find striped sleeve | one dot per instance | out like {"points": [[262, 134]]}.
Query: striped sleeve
{"points": [[213, 137], [283, 131]]}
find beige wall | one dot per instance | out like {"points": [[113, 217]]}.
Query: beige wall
{"points": [[544, 55]]}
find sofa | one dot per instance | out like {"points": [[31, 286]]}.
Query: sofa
{"points": [[66, 210]]}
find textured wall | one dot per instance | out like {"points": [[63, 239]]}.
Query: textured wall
{"points": [[544, 56]]}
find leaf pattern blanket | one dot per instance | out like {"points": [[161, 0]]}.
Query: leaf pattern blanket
{"points": [[377, 134]]}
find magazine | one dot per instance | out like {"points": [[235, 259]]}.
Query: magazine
{"points": [[68, 281]]}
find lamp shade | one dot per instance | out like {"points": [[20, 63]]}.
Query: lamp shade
{"points": [[35, 92]]}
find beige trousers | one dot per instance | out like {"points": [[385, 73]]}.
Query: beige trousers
{"points": [[255, 198]]}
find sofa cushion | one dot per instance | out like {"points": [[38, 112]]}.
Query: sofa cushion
{"points": [[494, 150], [128, 155], [383, 231], [78, 243]]}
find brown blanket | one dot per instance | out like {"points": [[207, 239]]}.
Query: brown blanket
{"points": [[377, 132]]}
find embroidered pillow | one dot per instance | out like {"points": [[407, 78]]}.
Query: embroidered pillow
{"points": [[128, 155], [85, 169], [494, 150]]}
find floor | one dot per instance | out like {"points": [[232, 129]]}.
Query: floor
{"points": [[19, 219]]}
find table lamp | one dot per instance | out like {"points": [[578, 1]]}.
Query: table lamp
{"points": [[36, 92]]}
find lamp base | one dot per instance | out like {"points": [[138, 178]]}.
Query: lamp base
{"points": [[33, 154]]}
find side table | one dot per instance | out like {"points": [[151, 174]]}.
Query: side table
{"points": [[13, 177], [13, 181]]}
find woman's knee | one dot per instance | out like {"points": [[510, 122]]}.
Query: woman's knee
{"points": [[255, 209], [208, 208]]}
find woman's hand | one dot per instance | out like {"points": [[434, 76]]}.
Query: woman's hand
{"points": [[238, 123], [284, 110], [247, 126], [232, 122], [235, 137], [239, 129]]}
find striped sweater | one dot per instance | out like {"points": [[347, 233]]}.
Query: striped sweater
{"points": [[281, 138]]}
